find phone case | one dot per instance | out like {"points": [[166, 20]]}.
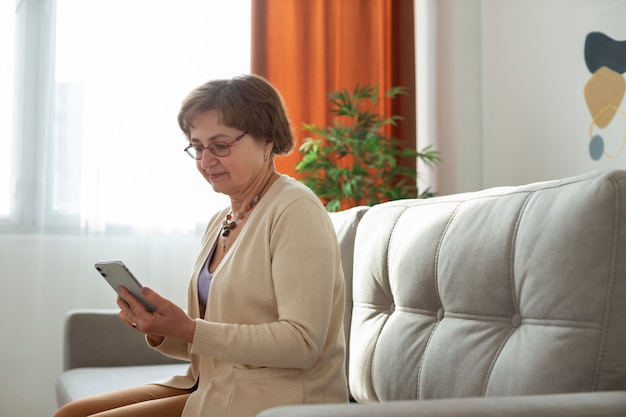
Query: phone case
{"points": [[117, 274]]}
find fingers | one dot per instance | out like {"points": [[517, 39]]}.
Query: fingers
{"points": [[122, 304], [131, 308], [125, 318], [168, 320], [149, 295], [146, 294], [127, 298]]}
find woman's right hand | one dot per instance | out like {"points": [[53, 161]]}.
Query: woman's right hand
{"points": [[168, 320]]}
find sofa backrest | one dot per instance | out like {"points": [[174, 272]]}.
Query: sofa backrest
{"points": [[506, 291], [345, 223]]}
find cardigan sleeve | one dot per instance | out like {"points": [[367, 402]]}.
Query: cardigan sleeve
{"points": [[173, 348]]}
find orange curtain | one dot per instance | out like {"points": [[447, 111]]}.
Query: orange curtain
{"points": [[308, 48]]}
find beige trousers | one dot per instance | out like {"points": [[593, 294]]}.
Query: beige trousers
{"points": [[141, 401]]}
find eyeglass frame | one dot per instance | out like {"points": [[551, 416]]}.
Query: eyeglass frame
{"points": [[211, 147]]}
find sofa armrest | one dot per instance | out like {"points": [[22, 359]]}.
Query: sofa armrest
{"points": [[97, 338], [571, 405]]}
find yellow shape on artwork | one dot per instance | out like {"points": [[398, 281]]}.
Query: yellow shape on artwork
{"points": [[604, 93]]}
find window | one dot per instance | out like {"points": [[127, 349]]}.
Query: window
{"points": [[112, 152], [7, 40]]}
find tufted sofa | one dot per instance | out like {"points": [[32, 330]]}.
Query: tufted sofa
{"points": [[506, 301]]}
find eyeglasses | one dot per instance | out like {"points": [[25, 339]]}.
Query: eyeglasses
{"points": [[220, 149]]}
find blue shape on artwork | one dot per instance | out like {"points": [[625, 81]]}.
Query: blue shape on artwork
{"points": [[602, 51], [596, 147]]}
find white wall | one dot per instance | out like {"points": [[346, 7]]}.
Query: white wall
{"points": [[42, 277], [510, 107]]}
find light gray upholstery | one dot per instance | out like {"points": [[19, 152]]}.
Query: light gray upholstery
{"points": [[102, 354], [88, 381], [345, 223], [98, 338], [507, 301], [508, 291], [599, 404]]}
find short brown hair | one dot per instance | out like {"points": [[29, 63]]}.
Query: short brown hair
{"points": [[246, 102]]}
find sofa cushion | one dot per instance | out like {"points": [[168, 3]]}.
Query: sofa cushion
{"points": [[85, 382], [506, 291], [98, 338], [345, 223]]}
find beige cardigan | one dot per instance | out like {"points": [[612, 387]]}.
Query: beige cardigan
{"points": [[273, 331]]}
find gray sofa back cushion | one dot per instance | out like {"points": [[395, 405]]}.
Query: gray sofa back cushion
{"points": [[345, 223], [87, 331], [511, 290]]}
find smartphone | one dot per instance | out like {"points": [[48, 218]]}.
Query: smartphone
{"points": [[117, 274]]}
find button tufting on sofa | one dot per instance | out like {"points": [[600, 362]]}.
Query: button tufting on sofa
{"points": [[553, 253]]}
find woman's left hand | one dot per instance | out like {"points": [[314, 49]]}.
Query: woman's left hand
{"points": [[168, 320]]}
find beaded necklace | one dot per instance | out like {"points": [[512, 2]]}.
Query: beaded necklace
{"points": [[230, 223]]}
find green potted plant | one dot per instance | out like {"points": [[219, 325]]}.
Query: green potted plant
{"points": [[356, 161]]}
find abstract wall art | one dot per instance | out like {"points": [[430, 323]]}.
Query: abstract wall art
{"points": [[604, 93]]}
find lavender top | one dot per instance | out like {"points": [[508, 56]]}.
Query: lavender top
{"points": [[204, 280]]}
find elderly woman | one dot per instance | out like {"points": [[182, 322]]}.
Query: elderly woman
{"points": [[265, 302]]}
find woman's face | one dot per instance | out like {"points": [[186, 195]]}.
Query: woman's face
{"points": [[236, 173]]}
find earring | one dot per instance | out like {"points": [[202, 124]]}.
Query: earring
{"points": [[266, 155]]}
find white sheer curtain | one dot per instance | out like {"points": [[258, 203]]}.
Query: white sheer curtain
{"points": [[7, 39], [103, 173], [122, 68]]}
